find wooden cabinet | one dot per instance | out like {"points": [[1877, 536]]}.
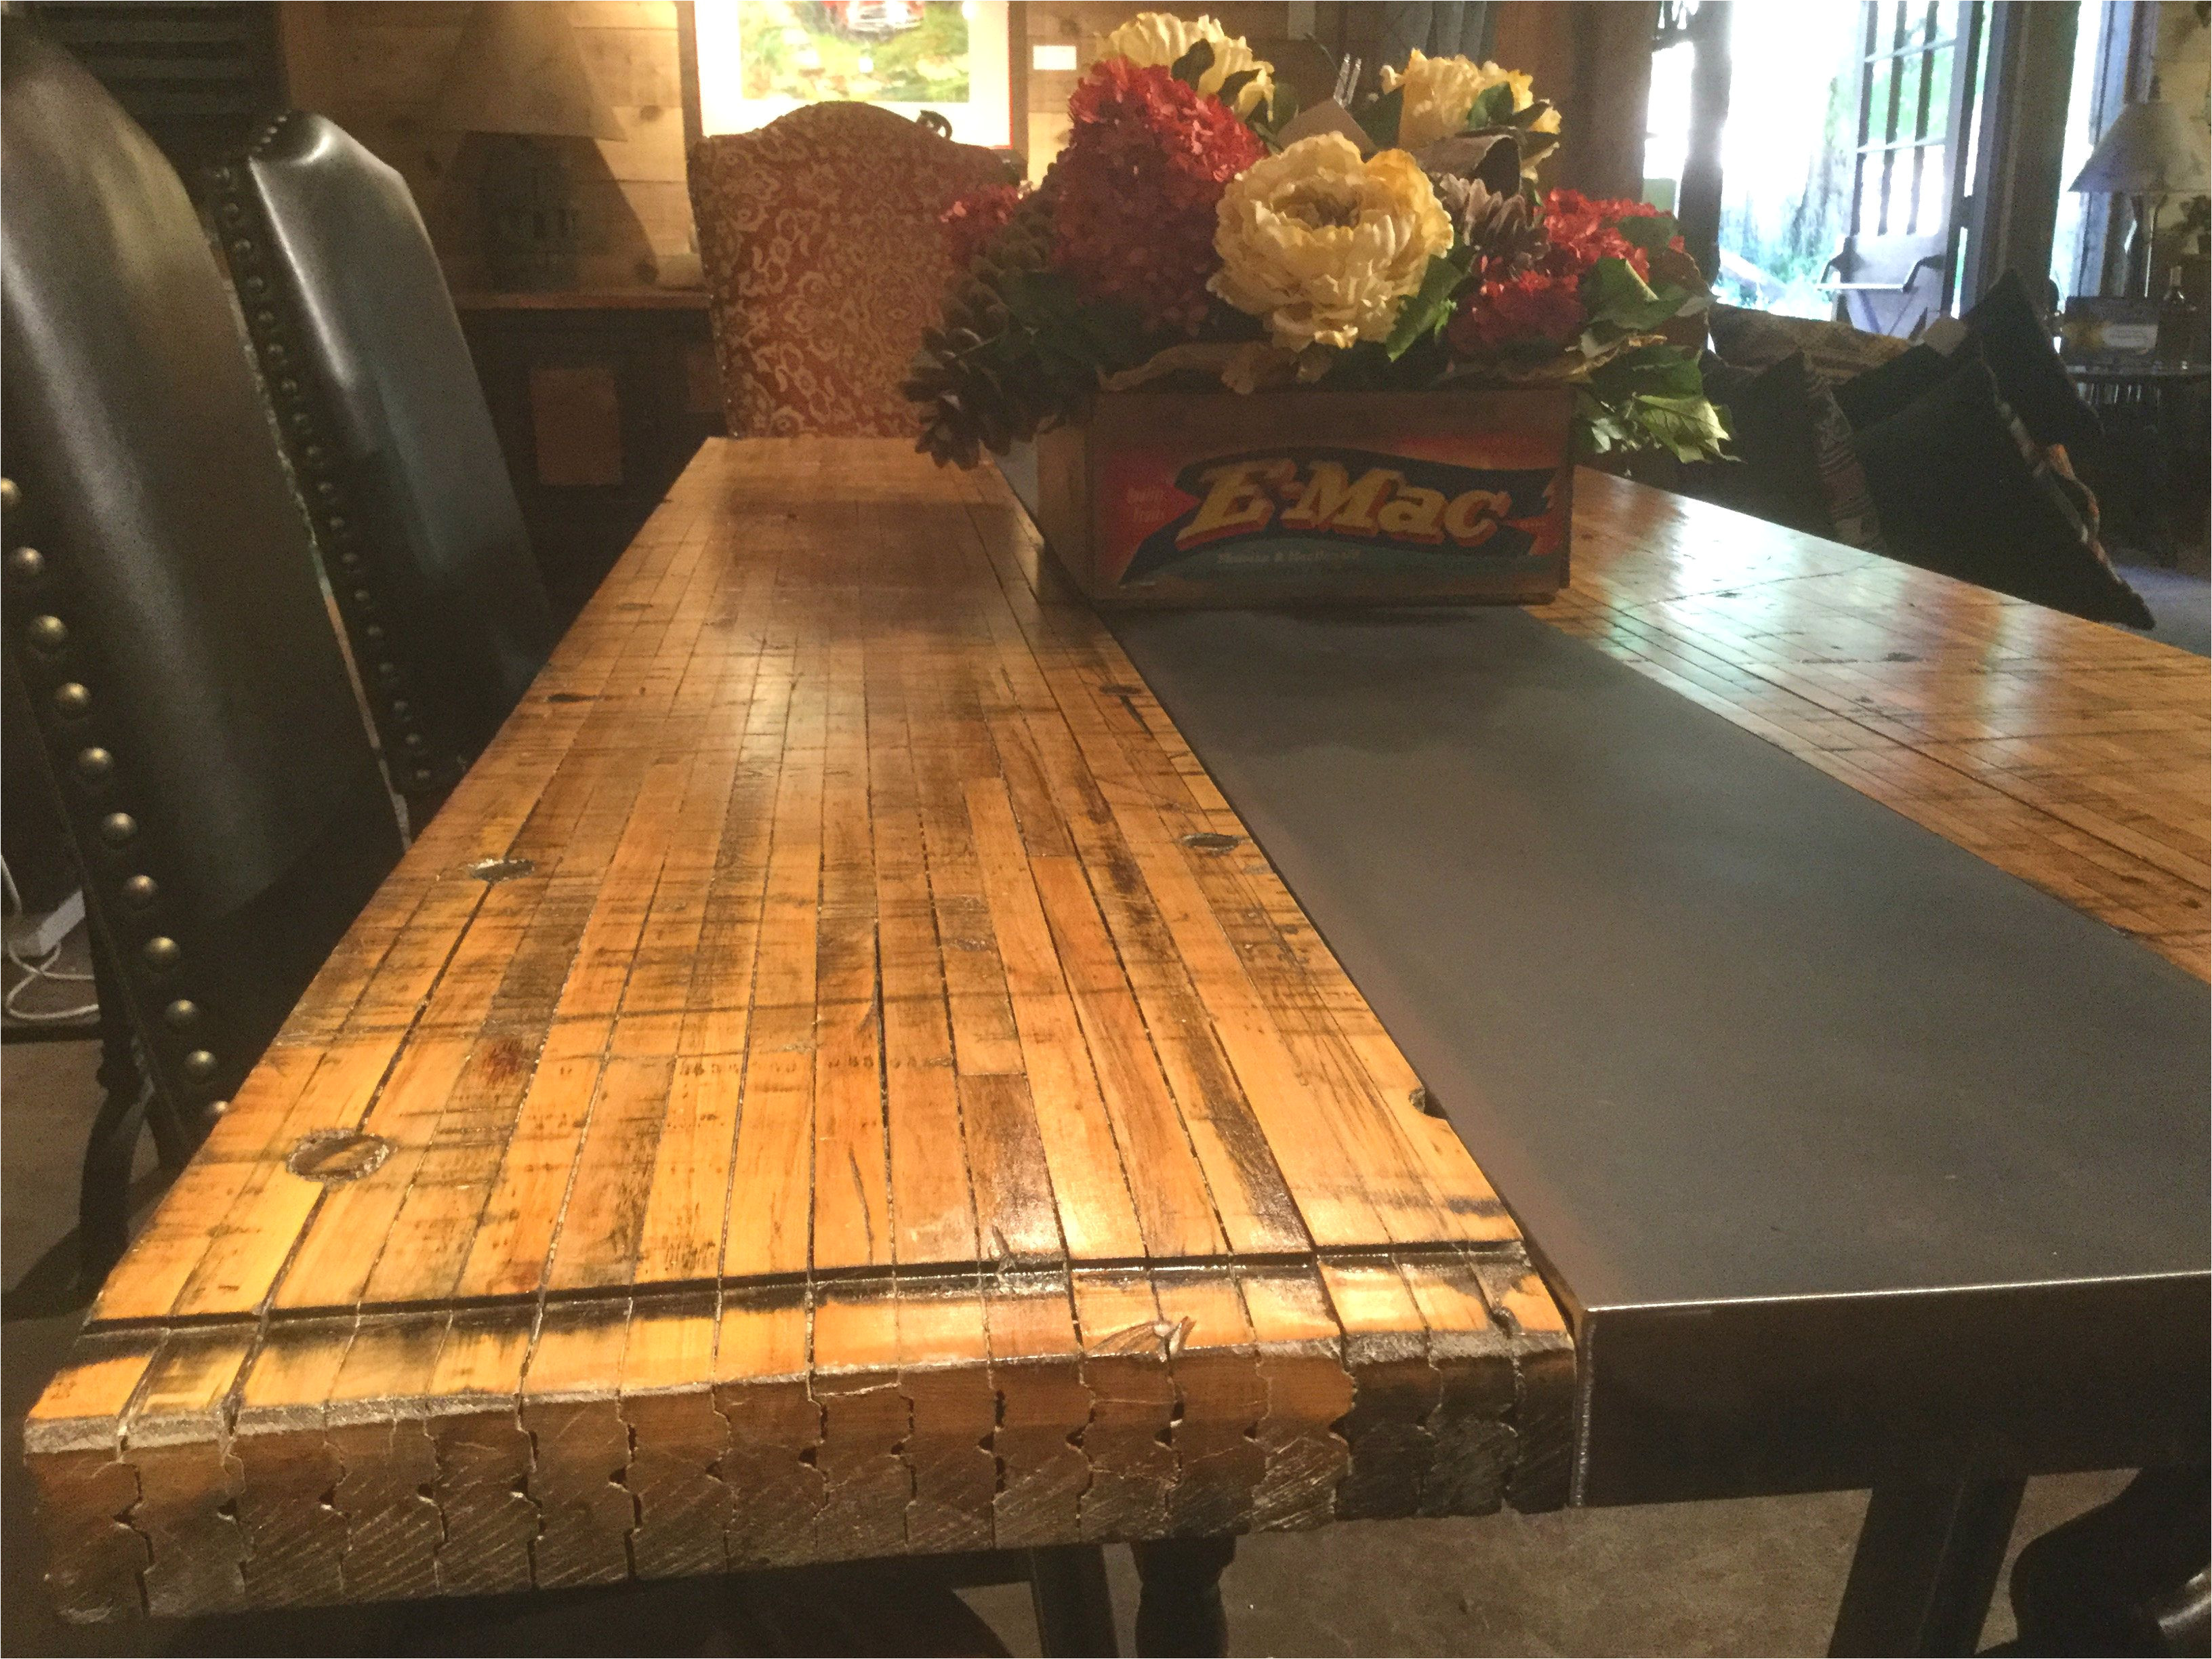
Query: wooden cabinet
{"points": [[599, 398]]}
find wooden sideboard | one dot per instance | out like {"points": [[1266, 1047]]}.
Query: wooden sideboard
{"points": [[599, 398]]}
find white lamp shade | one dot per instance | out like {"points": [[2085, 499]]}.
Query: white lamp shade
{"points": [[2152, 149]]}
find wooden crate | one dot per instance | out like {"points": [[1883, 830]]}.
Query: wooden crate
{"points": [[1179, 500]]}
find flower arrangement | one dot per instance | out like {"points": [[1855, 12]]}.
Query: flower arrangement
{"points": [[1199, 229]]}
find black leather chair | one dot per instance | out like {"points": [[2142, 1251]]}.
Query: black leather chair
{"points": [[222, 795], [386, 426]]}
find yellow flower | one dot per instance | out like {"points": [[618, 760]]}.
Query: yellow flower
{"points": [[1160, 38], [1440, 91], [1326, 246]]}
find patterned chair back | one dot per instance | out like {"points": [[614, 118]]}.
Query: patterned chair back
{"points": [[820, 237]]}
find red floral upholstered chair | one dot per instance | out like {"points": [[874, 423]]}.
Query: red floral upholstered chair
{"points": [[820, 237]]}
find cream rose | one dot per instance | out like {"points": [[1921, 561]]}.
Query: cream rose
{"points": [[1326, 246], [1440, 91], [1159, 37]]}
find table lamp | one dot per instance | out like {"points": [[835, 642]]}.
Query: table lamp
{"points": [[2151, 152], [519, 77]]}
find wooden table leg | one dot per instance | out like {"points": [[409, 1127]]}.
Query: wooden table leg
{"points": [[1927, 1566], [2128, 1576], [1180, 1611], [1074, 1607]]}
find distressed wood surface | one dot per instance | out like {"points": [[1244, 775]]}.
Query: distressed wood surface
{"points": [[835, 1080], [2071, 754]]}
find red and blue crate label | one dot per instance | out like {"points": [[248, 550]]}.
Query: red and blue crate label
{"points": [[1314, 506]]}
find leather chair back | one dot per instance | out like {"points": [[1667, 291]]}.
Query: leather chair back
{"points": [[826, 261], [385, 424], [163, 609]]}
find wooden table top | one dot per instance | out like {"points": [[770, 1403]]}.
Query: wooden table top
{"points": [[835, 1080], [2075, 755], [842, 1082]]}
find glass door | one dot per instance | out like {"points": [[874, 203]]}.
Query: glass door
{"points": [[1921, 63]]}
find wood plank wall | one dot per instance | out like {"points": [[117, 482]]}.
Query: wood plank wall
{"points": [[1595, 62], [375, 67]]}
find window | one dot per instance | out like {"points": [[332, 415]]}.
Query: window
{"points": [[1786, 157], [1839, 181], [1901, 182]]}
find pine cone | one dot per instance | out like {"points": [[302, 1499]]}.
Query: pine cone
{"points": [[1496, 226], [965, 376]]}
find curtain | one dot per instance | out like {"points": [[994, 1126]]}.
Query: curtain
{"points": [[1441, 28]]}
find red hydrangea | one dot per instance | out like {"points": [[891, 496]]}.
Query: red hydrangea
{"points": [[972, 222], [1583, 230], [1531, 307], [1542, 304], [1144, 169]]}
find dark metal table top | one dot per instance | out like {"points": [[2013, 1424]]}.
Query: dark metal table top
{"points": [[1850, 1151]]}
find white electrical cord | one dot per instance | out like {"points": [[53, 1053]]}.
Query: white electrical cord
{"points": [[34, 972]]}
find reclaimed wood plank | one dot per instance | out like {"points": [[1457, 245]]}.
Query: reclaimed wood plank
{"points": [[773, 1464], [677, 1439], [376, 1422], [73, 1447], [174, 1438], [487, 1518], [818, 1101]]}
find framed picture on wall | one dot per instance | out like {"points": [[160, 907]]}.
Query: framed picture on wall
{"points": [[758, 59]]}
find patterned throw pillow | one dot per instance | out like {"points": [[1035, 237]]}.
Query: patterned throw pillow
{"points": [[1794, 462], [1964, 488], [1775, 474], [1852, 517], [1888, 388], [2015, 341], [1833, 351]]}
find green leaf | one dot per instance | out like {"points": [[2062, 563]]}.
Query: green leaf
{"points": [[1233, 87], [1651, 397], [1612, 287], [1657, 368], [1595, 424], [1690, 427], [1380, 117], [1528, 118], [1190, 69], [1424, 311], [1622, 303], [1493, 106], [1031, 297], [1649, 231]]}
